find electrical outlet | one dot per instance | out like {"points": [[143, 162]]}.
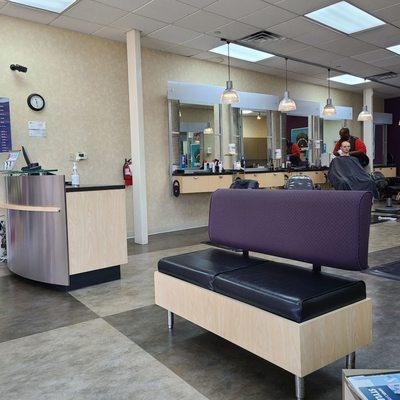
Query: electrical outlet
{"points": [[81, 156]]}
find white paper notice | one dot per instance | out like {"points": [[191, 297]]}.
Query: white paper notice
{"points": [[37, 128]]}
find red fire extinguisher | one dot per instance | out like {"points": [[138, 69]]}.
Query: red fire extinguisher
{"points": [[127, 172]]}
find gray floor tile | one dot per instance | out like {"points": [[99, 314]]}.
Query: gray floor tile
{"points": [[134, 290], [87, 361], [27, 308]]}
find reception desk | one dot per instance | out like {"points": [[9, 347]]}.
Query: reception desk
{"points": [[66, 236]]}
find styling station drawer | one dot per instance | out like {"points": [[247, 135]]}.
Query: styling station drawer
{"points": [[275, 179], [219, 182], [193, 184], [261, 178], [388, 172]]}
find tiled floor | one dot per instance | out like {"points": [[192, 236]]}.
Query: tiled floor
{"points": [[111, 342]]}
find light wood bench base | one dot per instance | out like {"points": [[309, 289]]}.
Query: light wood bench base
{"points": [[300, 348]]}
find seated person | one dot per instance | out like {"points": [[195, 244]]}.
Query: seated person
{"points": [[357, 146], [293, 152], [344, 150]]}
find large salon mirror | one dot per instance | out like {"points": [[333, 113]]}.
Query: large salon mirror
{"points": [[296, 131], [195, 134], [331, 134]]}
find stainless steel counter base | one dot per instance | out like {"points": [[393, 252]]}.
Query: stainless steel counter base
{"points": [[37, 244]]}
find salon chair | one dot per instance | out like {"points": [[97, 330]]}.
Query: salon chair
{"points": [[386, 192], [244, 184], [300, 182]]}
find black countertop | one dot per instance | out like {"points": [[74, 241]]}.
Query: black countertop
{"points": [[88, 188]]}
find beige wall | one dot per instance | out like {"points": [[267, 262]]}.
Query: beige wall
{"points": [[253, 127], [84, 82]]}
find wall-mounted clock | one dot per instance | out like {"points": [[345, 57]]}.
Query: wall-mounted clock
{"points": [[36, 102]]}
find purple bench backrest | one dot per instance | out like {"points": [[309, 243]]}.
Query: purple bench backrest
{"points": [[322, 227]]}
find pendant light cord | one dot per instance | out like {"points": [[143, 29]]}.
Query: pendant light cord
{"points": [[229, 63], [329, 83], [286, 73]]}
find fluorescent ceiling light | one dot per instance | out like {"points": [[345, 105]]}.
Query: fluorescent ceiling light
{"points": [[246, 112], [56, 6], [242, 52], [395, 49], [349, 79], [345, 18]]}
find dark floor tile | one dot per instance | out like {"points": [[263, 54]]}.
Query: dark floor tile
{"points": [[170, 240], [27, 308], [385, 256]]}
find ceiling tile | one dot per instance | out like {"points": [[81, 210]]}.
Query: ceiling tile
{"points": [[295, 27], [92, 11], [75, 24], [202, 21], [235, 8], [183, 51], [357, 68], [319, 35], [303, 6], [383, 36], [347, 46], [234, 30], [31, 14], [154, 43], [316, 55], [284, 46], [166, 10], [267, 17], [305, 69], [111, 33], [203, 42], [198, 3], [209, 57], [174, 34], [372, 5], [386, 62], [389, 14], [127, 5], [134, 21], [375, 55]]}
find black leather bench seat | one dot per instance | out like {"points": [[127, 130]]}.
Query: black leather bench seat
{"points": [[292, 292], [201, 267]]}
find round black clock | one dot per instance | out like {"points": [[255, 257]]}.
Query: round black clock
{"points": [[36, 102]]}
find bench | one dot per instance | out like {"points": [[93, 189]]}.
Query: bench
{"points": [[300, 319]]}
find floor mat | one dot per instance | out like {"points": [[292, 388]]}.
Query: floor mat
{"points": [[389, 271]]}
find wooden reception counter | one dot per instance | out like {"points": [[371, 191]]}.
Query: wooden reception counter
{"points": [[65, 236]]}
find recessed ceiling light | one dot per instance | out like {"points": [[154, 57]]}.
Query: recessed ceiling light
{"points": [[349, 79], [395, 49], [345, 17], [242, 52], [56, 6], [246, 112]]}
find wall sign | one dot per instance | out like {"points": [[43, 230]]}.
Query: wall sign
{"points": [[5, 125]]}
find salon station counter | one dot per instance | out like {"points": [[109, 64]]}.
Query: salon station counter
{"points": [[61, 235]]}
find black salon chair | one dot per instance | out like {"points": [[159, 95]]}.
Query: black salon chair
{"points": [[245, 184], [299, 182], [386, 192]]}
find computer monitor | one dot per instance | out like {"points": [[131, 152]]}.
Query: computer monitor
{"points": [[29, 165]]}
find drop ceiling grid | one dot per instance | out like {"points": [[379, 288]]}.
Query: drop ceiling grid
{"points": [[182, 23]]}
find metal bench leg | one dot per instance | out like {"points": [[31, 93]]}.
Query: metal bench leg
{"points": [[170, 320], [351, 361], [299, 388]]}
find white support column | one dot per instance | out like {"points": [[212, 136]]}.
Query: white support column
{"points": [[368, 127], [137, 136]]}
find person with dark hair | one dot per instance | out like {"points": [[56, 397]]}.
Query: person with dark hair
{"points": [[357, 146], [293, 152]]}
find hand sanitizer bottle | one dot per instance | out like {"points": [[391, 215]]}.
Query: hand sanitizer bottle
{"points": [[75, 175]]}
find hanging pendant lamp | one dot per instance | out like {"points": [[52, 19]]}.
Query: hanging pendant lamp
{"points": [[229, 95], [286, 104], [365, 114], [259, 115], [329, 108]]}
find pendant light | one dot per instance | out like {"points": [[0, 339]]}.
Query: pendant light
{"points": [[329, 108], [259, 115], [364, 115], [208, 130], [229, 95], [286, 104]]}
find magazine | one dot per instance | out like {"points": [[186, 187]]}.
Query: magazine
{"points": [[385, 386]]}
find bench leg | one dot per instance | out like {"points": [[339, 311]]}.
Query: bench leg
{"points": [[299, 388], [170, 320], [351, 361]]}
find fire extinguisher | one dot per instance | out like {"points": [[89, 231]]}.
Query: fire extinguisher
{"points": [[127, 172]]}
